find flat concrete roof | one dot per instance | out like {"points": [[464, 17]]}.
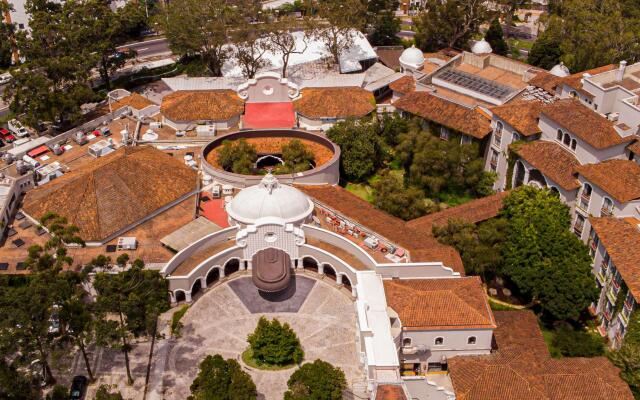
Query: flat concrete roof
{"points": [[189, 233]]}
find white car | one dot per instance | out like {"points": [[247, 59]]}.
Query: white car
{"points": [[5, 78], [16, 127]]}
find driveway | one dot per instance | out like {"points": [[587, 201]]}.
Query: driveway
{"points": [[218, 323]]}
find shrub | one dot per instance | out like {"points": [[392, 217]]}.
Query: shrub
{"points": [[59, 392], [275, 343], [176, 325], [237, 156], [296, 157], [318, 380], [577, 343], [104, 393]]}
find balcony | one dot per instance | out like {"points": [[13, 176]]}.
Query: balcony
{"points": [[611, 296], [583, 203], [577, 229], [411, 350], [624, 318], [600, 277], [606, 212], [607, 315]]}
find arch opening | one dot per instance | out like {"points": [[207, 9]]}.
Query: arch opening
{"points": [[329, 271], [310, 264], [213, 276], [231, 266]]}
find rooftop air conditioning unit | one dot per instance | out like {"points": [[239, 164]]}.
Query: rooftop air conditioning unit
{"points": [[613, 116]]}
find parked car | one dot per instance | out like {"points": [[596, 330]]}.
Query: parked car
{"points": [[6, 135], [5, 78], [17, 128], [78, 387]]}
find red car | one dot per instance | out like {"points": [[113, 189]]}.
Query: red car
{"points": [[6, 135]]}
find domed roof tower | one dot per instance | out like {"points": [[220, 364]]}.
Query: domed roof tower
{"points": [[481, 47], [270, 198], [412, 58], [560, 70]]}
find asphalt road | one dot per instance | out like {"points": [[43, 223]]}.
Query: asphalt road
{"points": [[149, 48]]}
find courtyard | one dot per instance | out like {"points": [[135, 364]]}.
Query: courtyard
{"points": [[219, 321]]}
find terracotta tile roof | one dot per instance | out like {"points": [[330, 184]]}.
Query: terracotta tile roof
{"points": [[440, 304], [618, 178], [404, 85], [134, 100], [390, 392], [545, 80], [472, 212], [553, 160], [113, 192], [522, 369], [421, 245], [585, 123], [335, 102], [201, 105], [443, 112], [622, 241], [390, 57], [523, 116], [575, 80], [635, 146]]}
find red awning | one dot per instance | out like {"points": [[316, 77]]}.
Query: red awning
{"points": [[37, 151]]}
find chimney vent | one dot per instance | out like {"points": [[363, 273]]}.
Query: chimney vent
{"points": [[621, 70]]}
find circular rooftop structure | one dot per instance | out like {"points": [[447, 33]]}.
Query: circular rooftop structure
{"points": [[270, 198], [412, 58], [560, 70], [481, 47], [268, 143]]}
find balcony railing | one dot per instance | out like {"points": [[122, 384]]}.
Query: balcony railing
{"points": [[611, 296], [600, 277], [624, 318], [577, 229], [583, 203], [607, 315], [606, 212]]}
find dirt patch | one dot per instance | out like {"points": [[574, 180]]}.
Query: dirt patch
{"points": [[273, 145]]}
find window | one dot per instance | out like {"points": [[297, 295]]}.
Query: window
{"points": [[607, 207], [444, 133], [515, 137], [567, 139], [494, 160], [406, 342], [579, 225], [585, 197], [471, 340], [559, 136], [465, 139], [574, 144], [20, 26], [439, 341], [497, 137]]}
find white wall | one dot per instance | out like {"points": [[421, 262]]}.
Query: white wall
{"points": [[455, 344]]}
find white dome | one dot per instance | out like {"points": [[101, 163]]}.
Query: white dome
{"points": [[481, 47], [560, 70], [412, 57], [269, 198]]}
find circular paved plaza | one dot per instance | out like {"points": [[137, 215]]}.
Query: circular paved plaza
{"points": [[323, 317]]}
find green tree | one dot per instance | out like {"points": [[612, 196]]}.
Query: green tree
{"points": [[6, 38], [361, 147], [612, 35], [220, 379], [14, 384], [135, 297], [26, 313], [104, 393], [282, 40], [542, 257], [390, 195], [275, 343], [495, 37], [449, 23], [201, 27], [546, 51], [480, 246], [77, 317], [122, 260], [237, 156], [384, 24], [296, 157], [391, 127], [55, 79], [318, 380], [343, 19], [439, 166], [627, 357]]}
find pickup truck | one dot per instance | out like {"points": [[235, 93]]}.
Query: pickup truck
{"points": [[16, 127]]}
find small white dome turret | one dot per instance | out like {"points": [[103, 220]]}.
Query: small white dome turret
{"points": [[412, 58], [481, 47], [560, 70]]}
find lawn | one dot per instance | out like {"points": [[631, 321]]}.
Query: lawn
{"points": [[548, 336], [361, 190], [247, 358], [454, 199]]}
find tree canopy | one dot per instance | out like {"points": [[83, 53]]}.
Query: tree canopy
{"points": [[274, 343], [542, 257], [390, 195], [237, 156], [296, 157], [220, 379], [318, 380], [546, 51], [362, 150], [343, 18], [495, 37], [449, 23]]}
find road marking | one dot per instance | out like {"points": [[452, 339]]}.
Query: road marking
{"points": [[142, 49]]}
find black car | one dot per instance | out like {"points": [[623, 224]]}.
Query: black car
{"points": [[78, 387]]}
